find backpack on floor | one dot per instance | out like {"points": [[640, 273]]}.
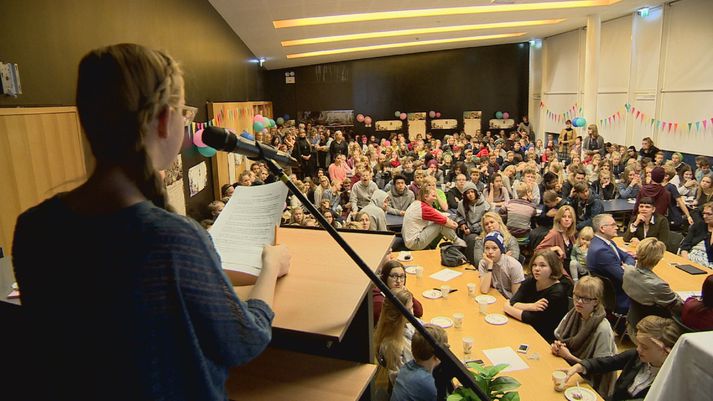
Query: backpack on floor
{"points": [[452, 255]]}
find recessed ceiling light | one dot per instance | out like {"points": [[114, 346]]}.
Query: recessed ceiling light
{"points": [[402, 44], [417, 31], [431, 12]]}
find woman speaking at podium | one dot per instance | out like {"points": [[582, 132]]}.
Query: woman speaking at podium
{"points": [[126, 300]]}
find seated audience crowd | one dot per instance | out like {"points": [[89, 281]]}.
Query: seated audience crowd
{"points": [[508, 201]]}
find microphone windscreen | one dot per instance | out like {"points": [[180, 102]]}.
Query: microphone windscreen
{"points": [[218, 138]]}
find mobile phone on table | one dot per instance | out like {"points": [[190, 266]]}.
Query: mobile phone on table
{"points": [[523, 348]]}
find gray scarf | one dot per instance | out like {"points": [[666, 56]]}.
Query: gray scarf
{"points": [[576, 332]]}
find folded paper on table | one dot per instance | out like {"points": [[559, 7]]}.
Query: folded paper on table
{"points": [[687, 294], [446, 275], [505, 355], [246, 224]]}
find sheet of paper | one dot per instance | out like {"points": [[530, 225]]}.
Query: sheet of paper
{"points": [[505, 355], [687, 294], [246, 224], [446, 274]]}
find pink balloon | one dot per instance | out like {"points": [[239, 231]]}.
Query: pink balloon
{"points": [[360, 117], [438, 114], [403, 116], [198, 139], [506, 115], [258, 118]]}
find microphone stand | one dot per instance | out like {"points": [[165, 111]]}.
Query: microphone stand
{"points": [[447, 358]]}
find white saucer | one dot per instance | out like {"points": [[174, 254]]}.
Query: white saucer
{"points": [[442, 321], [432, 294], [496, 318], [404, 256], [488, 299], [631, 200], [410, 269], [587, 394]]}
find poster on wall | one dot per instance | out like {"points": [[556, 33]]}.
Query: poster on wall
{"points": [[330, 118], [197, 178], [444, 124], [472, 121], [389, 125], [501, 123], [173, 180], [416, 125]]}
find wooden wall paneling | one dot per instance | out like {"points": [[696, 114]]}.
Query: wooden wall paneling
{"points": [[41, 154]]}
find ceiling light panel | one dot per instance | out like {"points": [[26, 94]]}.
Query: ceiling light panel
{"points": [[402, 44], [433, 12], [417, 31]]}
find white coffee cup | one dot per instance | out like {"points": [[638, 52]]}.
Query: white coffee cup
{"points": [[458, 320], [558, 378], [467, 345], [445, 290], [419, 271], [483, 305], [471, 289]]}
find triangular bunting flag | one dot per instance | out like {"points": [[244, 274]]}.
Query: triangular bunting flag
{"points": [[675, 127], [705, 124], [698, 125], [689, 127]]}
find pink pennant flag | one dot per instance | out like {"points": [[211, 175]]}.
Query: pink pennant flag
{"points": [[637, 113], [705, 124]]}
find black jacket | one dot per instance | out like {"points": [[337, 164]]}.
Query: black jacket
{"points": [[629, 364], [697, 233]]}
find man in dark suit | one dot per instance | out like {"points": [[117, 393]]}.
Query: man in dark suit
{"points": [[606, 259]]}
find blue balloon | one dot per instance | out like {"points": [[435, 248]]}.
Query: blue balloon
{"points": [[247, 135], [207, 151], [287, 117]]}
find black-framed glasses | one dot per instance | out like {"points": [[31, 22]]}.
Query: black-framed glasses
{"points": [[584, 300], [397, 277]]}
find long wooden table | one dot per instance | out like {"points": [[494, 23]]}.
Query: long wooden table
{"points": [[678, 279], [537, 379]]}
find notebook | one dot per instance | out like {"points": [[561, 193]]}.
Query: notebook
{"points": [[690, 269]]}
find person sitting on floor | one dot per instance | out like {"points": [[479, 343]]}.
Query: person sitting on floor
{"points": [[518, 212], [400, 197], [498, 269], [586, 205], [541, 300], [376, 210], [471, 210], [415, 381], [584, 332], [647, 223], [655, 338], [423, 224]]}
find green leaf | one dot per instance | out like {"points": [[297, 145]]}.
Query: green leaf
{"points": [[476, 366], [455, 397], [513, 396], [504, 384], [494, 370], [483, 383]]}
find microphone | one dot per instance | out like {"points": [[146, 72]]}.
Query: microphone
{"points": [[225, 140]]}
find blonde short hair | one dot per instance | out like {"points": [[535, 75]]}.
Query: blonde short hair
{"points": [[521, 189], [649, 252]]}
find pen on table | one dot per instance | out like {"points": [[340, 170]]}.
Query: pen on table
{"points": [[452, 290], [470, 268]]}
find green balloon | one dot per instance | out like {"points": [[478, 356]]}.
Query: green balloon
{"points": [[258, 126], [207, 151]]}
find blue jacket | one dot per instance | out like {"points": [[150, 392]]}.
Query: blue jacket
{"points": [[602, 261]]}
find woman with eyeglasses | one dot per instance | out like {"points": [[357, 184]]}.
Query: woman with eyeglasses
{"points": [[584, 332], [394, 276], [698, 244], [150, 300], [655, 338]]}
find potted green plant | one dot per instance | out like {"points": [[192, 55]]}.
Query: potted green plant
{"points": [[498, 388]]}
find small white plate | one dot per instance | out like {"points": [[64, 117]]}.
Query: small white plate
{"points": [[432, 294], [404, 256], [587, 394], [488, 299], [631, 200], [496, 318], [410, 269], [442, 321]]}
